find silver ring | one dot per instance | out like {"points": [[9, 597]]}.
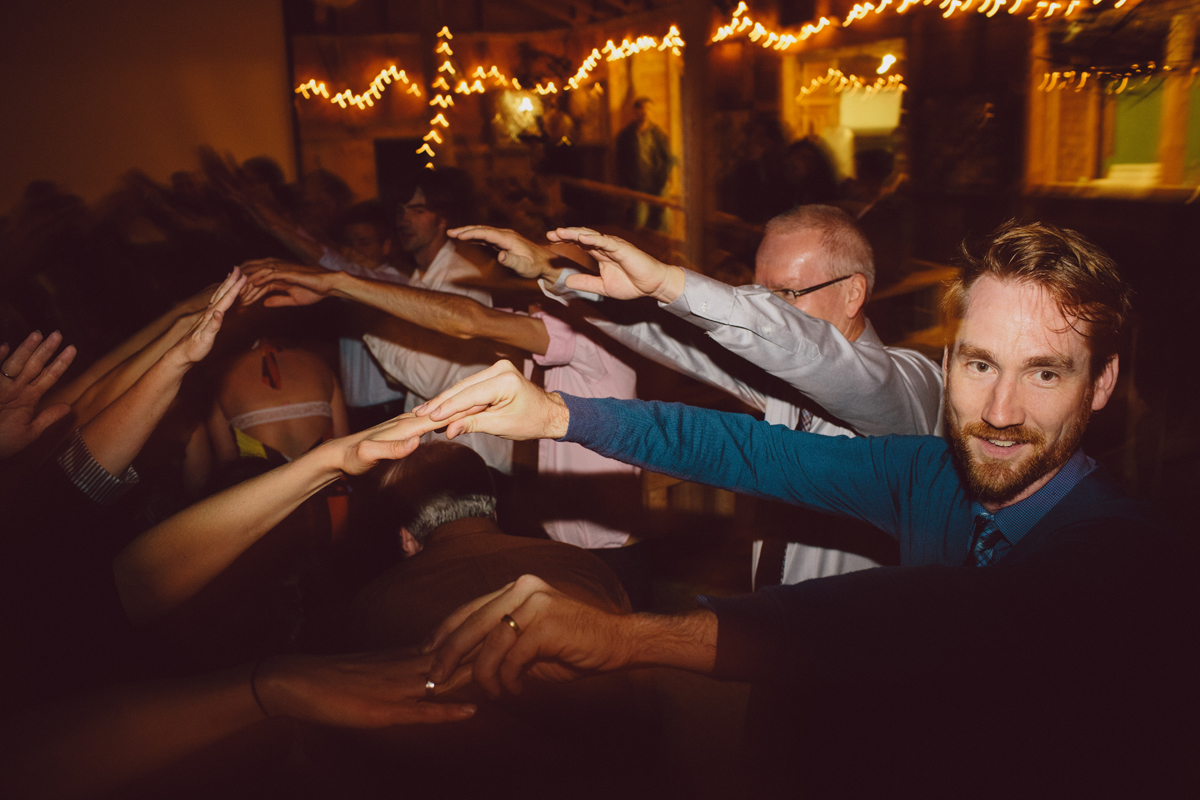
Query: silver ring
{"points": [[5, 374], [512, 623], [429, 687]]}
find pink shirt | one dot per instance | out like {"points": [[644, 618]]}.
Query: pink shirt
{"points": [[577, 365]]}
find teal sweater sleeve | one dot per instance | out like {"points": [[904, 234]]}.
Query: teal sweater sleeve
{"points": [[904, 485]]}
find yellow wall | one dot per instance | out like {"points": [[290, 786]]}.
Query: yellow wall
{"points": [[92, 89]]}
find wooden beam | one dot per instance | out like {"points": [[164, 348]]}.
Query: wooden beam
{"points": [[694, 22], [609, 190], [1173, 127], [1037, 140], [624, 6]]}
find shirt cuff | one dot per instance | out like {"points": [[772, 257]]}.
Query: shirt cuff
{"points": [[83, 470], [704, 302], [588, 420], [561, 349]]}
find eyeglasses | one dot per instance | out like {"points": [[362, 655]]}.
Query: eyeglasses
{"points": [[783, 294]]}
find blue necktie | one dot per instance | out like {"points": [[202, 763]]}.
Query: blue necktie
{"points": [[988, 544]]}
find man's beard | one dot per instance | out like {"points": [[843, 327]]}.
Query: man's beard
{"points": [[994, 481]]}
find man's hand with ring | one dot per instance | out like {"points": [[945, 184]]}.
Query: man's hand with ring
{"points": [[551, 635]]}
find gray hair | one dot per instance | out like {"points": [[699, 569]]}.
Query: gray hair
{"points": [[437, 483], [843, 243], [446, 507]]}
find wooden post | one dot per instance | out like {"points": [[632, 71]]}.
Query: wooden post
{"points": [[694, 27], [1038, 146], [1172, 135]]}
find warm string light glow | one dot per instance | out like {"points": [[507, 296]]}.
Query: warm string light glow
{"points": [[1042, 9], [476, 81], [443, 99], [838, 81], [348, 98], [769, 38], [671, 41], [1117, 80], [779, 40], [494, 72]]}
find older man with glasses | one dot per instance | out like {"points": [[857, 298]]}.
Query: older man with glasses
{"points": [[803, 322]]}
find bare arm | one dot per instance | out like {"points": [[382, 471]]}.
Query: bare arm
{"points": [[219, 435], [92, 746], [176, 558], [451, 314], [527, 259], [341, 419], [170, 327], [116, 435]]}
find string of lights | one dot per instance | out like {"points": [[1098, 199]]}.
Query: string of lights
{"points": [[443, 99], [758, 33], [1109, 80], [839, 82], [775, 40], [1042, 9], [610, 52], [348, 98]]}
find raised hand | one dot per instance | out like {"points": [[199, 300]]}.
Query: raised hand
{"points": [[501, 402], [527, 259], [198, 341], [625, 272], [367, 690], [284, 284], [387, 441], [24, 378], [552, 635]]}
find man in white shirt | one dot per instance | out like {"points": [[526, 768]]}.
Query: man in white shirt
{"points": [[425, 361]]}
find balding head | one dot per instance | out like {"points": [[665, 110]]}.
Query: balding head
{"points": [[812, 245]]}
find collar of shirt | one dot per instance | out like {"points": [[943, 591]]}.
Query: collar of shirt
{"points": [[436, 267], [1018, 519]]}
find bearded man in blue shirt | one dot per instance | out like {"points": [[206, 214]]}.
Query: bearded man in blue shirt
{"points": [[1034, 639]]}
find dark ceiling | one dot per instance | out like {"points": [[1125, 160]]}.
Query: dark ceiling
{"points": [[357, 17]]}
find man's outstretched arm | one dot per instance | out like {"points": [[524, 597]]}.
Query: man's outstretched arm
{"points": [[529, 626], [451, 314], [874, 389], [851, 477]]}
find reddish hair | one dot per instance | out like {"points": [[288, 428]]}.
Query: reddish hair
{"points": [[1083, 281]]}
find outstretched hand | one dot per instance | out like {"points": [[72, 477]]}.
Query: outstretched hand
{"points": [[25, 378], [198, 341], [527, 259], [501, 402], [555, 637], [366, 690], [387, 441], [285, 284], [626, 272]]}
